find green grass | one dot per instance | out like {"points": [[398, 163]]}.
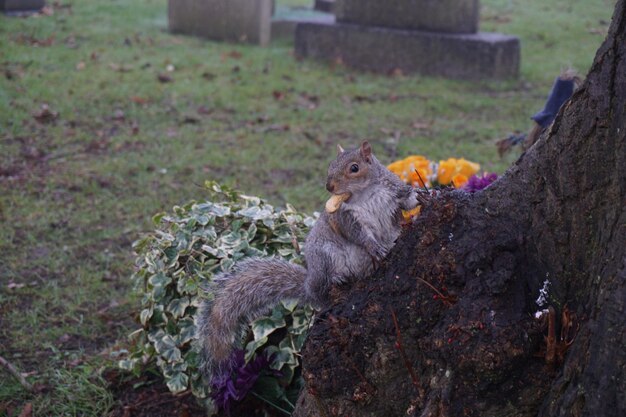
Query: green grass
{"points": [[126, 146]]}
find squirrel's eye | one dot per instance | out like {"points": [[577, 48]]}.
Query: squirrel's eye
{"points": [[354, 168]]}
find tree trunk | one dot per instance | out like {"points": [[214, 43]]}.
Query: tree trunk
{"points": [[447, 326]]}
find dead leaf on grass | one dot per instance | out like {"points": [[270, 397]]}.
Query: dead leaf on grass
{"points": [[138, 100], [164, 78], [80, 66], [120, 68], [119, 115], [421, 125], [232, 54], [27, 411], [204, 110], [45, 115], [278, 95], [32, 41], [189, 119], [598, 31]]}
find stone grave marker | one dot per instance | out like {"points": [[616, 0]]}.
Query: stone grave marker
{"points": [[431, 37], [224, 20], [18, 6]]}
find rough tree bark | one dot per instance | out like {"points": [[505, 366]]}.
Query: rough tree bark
{"points": [[446, 327]]}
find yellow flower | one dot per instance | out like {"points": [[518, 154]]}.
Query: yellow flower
{"points": [[467, 168], [408, 215], [459, 180], [456, 171], [405, 169], [446, 170]]}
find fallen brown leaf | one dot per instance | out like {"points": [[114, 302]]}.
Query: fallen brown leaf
{"points": [[138, 100], [27, 411], [45, 115], [164, 78]]}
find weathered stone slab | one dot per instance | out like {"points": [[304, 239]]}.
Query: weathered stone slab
{"points": [[224, 20], [21, 5], [326, 6], [452, 16], [383, 50], [286, 19]]}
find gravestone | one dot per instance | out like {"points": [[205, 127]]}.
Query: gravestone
{"points": [[15, 6], [431, 37], [452, 16], [326, 6], [286, 19], [224, 20]]}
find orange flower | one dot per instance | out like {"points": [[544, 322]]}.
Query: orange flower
{"points": [[405, 169], [408, 215], [446, 170], [467, 168], [459, 180], [452, 167]]}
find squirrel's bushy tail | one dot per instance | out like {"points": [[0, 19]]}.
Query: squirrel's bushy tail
{"points": [[241, 295]]}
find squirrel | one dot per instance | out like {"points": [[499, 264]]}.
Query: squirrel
{"points": [[360, 225]]}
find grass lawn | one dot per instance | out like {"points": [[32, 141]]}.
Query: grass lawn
{"points": [[137, 119]]}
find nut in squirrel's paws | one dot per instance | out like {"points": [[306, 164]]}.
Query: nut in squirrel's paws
{"points": [[334, 202]]}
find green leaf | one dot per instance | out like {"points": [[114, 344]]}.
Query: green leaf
{"points": [[156, 219], [145, 315], [166, 347], [264, 326], [252, 347], [177, 306], [127, 364], [178, 382], [289, 305], [186, 330], [269, 389]]}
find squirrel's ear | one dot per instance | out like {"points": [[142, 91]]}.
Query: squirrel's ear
{"points": [[340, 150], [366, 151]]}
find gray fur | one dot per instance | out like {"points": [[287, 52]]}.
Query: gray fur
{"points": [[341, 246]]}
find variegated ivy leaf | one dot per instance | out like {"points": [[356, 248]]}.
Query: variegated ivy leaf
{"points": [[178, 382], [302, 320], [282, 356], [289, 305], [264, 326], [166, 347], [177, 306], [186, 330], [127, 364], [187, 285], [252, 347], [297, 341], [145, 315]]}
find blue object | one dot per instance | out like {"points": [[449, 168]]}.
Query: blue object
{"points": [[561, 91]]}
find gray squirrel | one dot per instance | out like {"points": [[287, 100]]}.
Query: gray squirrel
{"points": [[360, 225]]}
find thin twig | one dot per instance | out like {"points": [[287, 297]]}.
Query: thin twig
{"points": [[422, 180], [16, 374], [400, 347], [433, 288]]}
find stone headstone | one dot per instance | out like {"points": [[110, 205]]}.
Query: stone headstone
{"points": [[21, 5], [224, 20], [326, 6], [286, 19], [411, 36], [383, 50], [454, 16]]}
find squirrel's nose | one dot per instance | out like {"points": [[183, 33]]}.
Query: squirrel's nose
{"points": [[330, 186]]}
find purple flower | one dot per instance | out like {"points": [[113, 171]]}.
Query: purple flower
{"points": [[233, 383], [476, 183]]}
